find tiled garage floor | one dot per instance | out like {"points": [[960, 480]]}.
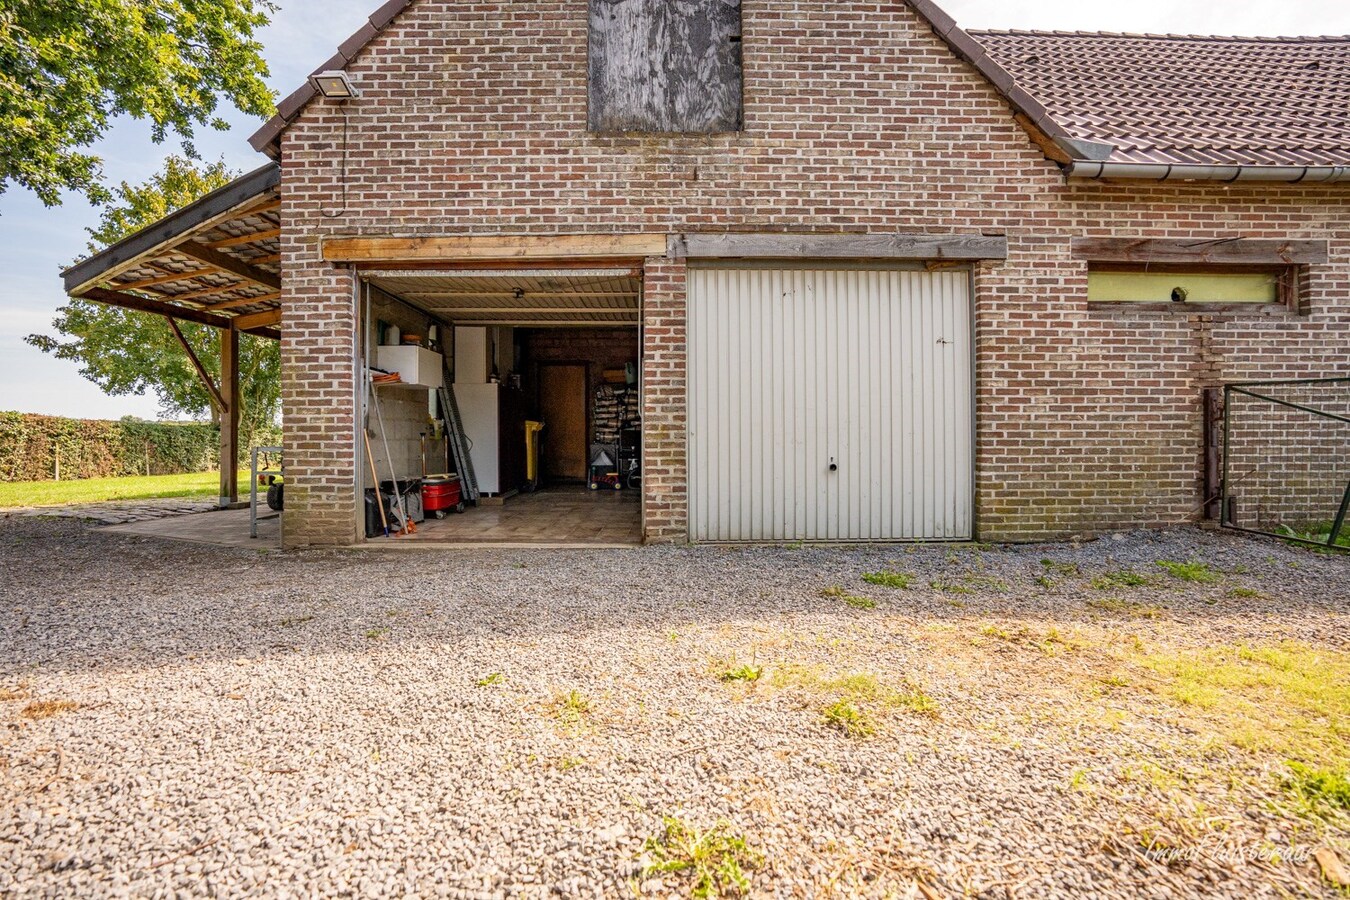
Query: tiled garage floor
{"points": [[557, 516]]}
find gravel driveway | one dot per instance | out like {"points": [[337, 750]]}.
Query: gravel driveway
{"points": [[1027, 722]]}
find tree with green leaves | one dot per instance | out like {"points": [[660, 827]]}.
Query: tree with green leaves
{"points": [[68, 67], [127, 352]]}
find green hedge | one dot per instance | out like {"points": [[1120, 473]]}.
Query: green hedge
{"points": [[31, 447]]}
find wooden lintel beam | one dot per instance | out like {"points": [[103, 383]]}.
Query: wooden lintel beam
{"points": [[226, 263], [210, 385], [245, 239], [270, 259], [1197, 251], [494, 247], [266, 319], [244, 301], [158, 307], [917, 247], [167, 278]]}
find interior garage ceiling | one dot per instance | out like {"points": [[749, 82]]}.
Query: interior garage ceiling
{"points": [[535, 298]]}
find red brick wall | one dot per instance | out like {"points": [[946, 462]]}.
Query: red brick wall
{"points": [[473, 120]]}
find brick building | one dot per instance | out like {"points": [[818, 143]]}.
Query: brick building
{"points": [[881, 278]]}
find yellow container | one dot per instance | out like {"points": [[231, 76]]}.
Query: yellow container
{"points": [[532, 432]]}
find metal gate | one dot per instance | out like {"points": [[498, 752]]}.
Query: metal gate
{"points": [[830, 403], [1286, 460]]}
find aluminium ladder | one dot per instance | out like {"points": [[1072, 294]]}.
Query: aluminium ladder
{"points": [[454, 433]]}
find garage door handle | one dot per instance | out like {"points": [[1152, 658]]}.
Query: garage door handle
{"points": [[834, 466]]}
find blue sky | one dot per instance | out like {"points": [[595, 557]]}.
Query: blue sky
{"points": [[36, 242]]}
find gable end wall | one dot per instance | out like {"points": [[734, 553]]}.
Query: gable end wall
{"points": [[472, 120]]}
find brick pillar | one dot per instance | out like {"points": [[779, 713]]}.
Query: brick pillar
{"points": [[665, 471], [318, 378]]}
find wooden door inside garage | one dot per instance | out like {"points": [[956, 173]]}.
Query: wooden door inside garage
{"points": [[830, 403]]}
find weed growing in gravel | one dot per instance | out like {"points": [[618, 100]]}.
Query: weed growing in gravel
{"points": [[838, 593], [848, 718], [898, 580], [1119, 578], [861, 690], [47, 709], [1246, 593], [1063, 569], [715, 861], [572, 707], [1052, 643], [988, 582], [291, 623], [743, 673], [1193, 571], [376, 633], [490, 680], [1286, 698], [948, 586], [1125, 607], [1318, 789]]}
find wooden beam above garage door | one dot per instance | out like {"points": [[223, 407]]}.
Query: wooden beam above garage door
{"points": [[837, 246], [493, 247]]}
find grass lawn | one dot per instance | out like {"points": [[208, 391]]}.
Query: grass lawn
{"points": [[96, 490]]}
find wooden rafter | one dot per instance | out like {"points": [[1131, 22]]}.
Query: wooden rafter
{"points": [[158, 307], [168, 278], [244, 301], [227, 263], [265, 206], [205, 292], [245, 239]]}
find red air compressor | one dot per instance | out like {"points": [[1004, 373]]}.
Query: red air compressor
{"points": [[441, 495]]}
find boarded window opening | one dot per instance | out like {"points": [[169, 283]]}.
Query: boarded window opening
{"points": [[665, 66], [1125, 286]]}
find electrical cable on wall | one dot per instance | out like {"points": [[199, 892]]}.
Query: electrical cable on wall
{"points": [[343, 177]]}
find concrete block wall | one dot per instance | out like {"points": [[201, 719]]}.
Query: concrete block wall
{"points": [[472, 120]]}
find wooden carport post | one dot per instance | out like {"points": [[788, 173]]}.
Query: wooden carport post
{"points": [[229, 417]]}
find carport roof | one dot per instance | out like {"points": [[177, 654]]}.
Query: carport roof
{"points": [[214, 262]]}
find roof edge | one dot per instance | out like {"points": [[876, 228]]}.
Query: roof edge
{"points": [[173, 226], [1097, 171], [1169, 36], [265, 139], [972, 51]]}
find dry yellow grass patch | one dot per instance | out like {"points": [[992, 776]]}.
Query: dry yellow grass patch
{"points": [[47, 709]]}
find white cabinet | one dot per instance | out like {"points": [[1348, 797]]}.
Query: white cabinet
{"points": [[417, 366]]}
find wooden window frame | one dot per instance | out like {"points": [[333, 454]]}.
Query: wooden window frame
{"points": [[1288, 259]]}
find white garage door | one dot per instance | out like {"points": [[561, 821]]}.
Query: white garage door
{"points": [[830, 404]]}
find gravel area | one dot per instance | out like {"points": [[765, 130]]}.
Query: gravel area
{"points": [[179, 720]]}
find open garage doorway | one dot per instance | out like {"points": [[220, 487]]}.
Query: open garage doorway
{"points": [[537, 372]]}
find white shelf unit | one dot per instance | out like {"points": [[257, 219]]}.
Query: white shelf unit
{"points": [[417, 366]]}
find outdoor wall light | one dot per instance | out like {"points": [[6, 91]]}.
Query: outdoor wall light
{"points": [[334, 85]]}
